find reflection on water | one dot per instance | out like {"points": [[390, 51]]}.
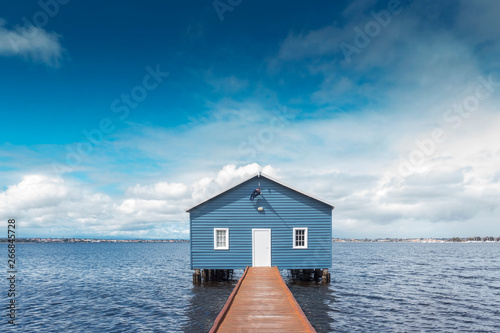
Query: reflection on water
{"points": [[316, 300], [205, 304]]}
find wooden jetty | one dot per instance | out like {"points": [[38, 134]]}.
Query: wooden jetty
{"points": [[261, 302]]}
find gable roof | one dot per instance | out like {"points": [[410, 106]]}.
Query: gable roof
{"points": [[259, 174]]}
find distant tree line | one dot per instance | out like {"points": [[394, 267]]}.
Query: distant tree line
{"points": [[476, 239]]}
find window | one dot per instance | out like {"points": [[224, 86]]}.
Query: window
{"points": [[221, 238], [300, 238]]}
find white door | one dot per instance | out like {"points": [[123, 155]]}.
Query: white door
{"points": [[261, 247]]}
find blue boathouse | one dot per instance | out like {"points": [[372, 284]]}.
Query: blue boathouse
{"points": [[280, 226]]}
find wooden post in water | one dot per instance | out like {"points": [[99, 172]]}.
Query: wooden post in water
{"points": [[204, 275], [326, 276], [317, 274], [196, 276]]}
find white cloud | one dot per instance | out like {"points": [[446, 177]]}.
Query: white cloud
{"points": [[40, 201], [31, 43], [159, 190], [34, 191], [454, 192], [227, 177], [61, 208]]}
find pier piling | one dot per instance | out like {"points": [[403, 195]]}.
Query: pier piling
{"points": [[326, 276], [196, 276], [205, 275]]}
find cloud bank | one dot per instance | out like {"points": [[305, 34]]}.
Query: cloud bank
{"points": [[44, 205]]}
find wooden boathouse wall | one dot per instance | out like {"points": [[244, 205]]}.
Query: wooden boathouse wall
{"points": [[284, 208]]}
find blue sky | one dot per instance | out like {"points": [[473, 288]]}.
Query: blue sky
{"points": [[116, 117]]}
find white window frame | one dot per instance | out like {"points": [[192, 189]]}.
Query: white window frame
{"points": [[227, 239], [306, 236]]}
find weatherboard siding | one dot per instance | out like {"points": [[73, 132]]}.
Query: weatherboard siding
{"points": [[284, 209]]}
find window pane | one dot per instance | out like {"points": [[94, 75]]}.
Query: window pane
{"points": [[221, 238]]}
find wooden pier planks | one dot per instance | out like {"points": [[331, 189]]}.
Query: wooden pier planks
{"points": [[261, 302]]}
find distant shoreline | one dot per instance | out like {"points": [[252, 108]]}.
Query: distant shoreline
{"points": [[420, 240], [93, 240]]}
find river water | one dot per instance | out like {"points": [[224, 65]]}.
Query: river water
{"points": [[147, 287]]}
